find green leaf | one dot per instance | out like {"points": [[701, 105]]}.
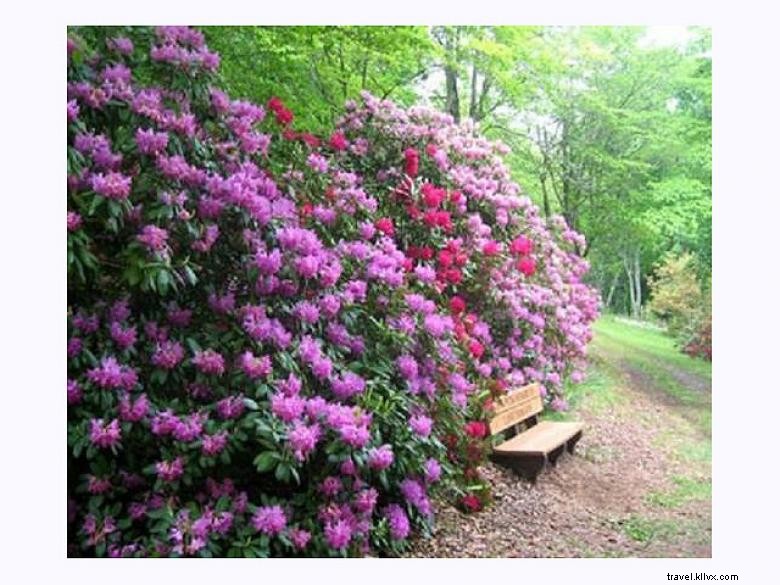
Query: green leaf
{"points": [[250, 404], [265, 461]]}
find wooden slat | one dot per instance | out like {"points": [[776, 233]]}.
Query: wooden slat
{"points": [[541, 438], [515, 407], [514, 397]]}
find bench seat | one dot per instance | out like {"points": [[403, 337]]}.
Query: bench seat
{"points": [[534, 443], [541, 438]]}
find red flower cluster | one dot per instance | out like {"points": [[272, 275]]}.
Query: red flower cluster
{"points": [[420, 252], [385, 225], [440, 219], [476, 429], [492, 248], [338, 141], [476, 349], [411, 162], [283, 115], [471, 503], [433, 196], [527, 265], [457, 305], [521, 246]]}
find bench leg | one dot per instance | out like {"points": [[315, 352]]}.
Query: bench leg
{"points": [[529, 467], [552, 457], [571, 443]]}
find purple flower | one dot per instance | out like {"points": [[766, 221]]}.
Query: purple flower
{"points": [[133, 411], [307, 266], [303, 439], [222, 304], [407, 365], [73, 110], [347, 467], [331, 486], [231, 407], [209, 362], [291, 386], [338, 534], [307, 312], [317, 162], [170, 470], [214, 444], [414, 493], [179, 317], [268, 263], [269, 520], [347, 386], [121, 45], [168, 355], [330, 306], [189, 428], [354, 435], [112, 185], [104, 436], [380, 458], [74, 392], [322, 368], [111, 375], [425, 274], [255, 367], [421, 425], [124, 337], [367, 230], [399, 522], [300, 538], [74, 221], [287, 408], [366, 500], [151, 142], [75, 346], [436, 325], [120, 310], [153, 237], [432, 471]]}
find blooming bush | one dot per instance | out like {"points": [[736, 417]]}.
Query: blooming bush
{"points": [[271, 334]]}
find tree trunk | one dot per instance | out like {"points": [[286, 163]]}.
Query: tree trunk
{"points": [[473, 114], [638, 285], [453, 103], [612, 288], [633, 267], [451, 74], [628, 268]]}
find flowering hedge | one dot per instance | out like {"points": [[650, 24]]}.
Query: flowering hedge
{"points": [[282, 344]]}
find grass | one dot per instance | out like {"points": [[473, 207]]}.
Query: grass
{"points": [[644, 529], [686, 489], [653, 355], [640, 343]]}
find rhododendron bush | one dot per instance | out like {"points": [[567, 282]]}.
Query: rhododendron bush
{"points": [[284, 344]]}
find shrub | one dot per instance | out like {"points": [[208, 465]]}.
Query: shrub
{"points": [[677, 300], [271, 333], [698, 338]]}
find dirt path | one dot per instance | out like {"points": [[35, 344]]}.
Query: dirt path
{"points": [[639, 484]]}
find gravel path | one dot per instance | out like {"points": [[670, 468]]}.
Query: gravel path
{"points": [[597, 502]]}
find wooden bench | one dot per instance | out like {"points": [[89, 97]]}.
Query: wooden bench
{"points": [[529, 444]]}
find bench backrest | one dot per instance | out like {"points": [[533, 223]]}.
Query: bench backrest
{"points": [[515, 407]]}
